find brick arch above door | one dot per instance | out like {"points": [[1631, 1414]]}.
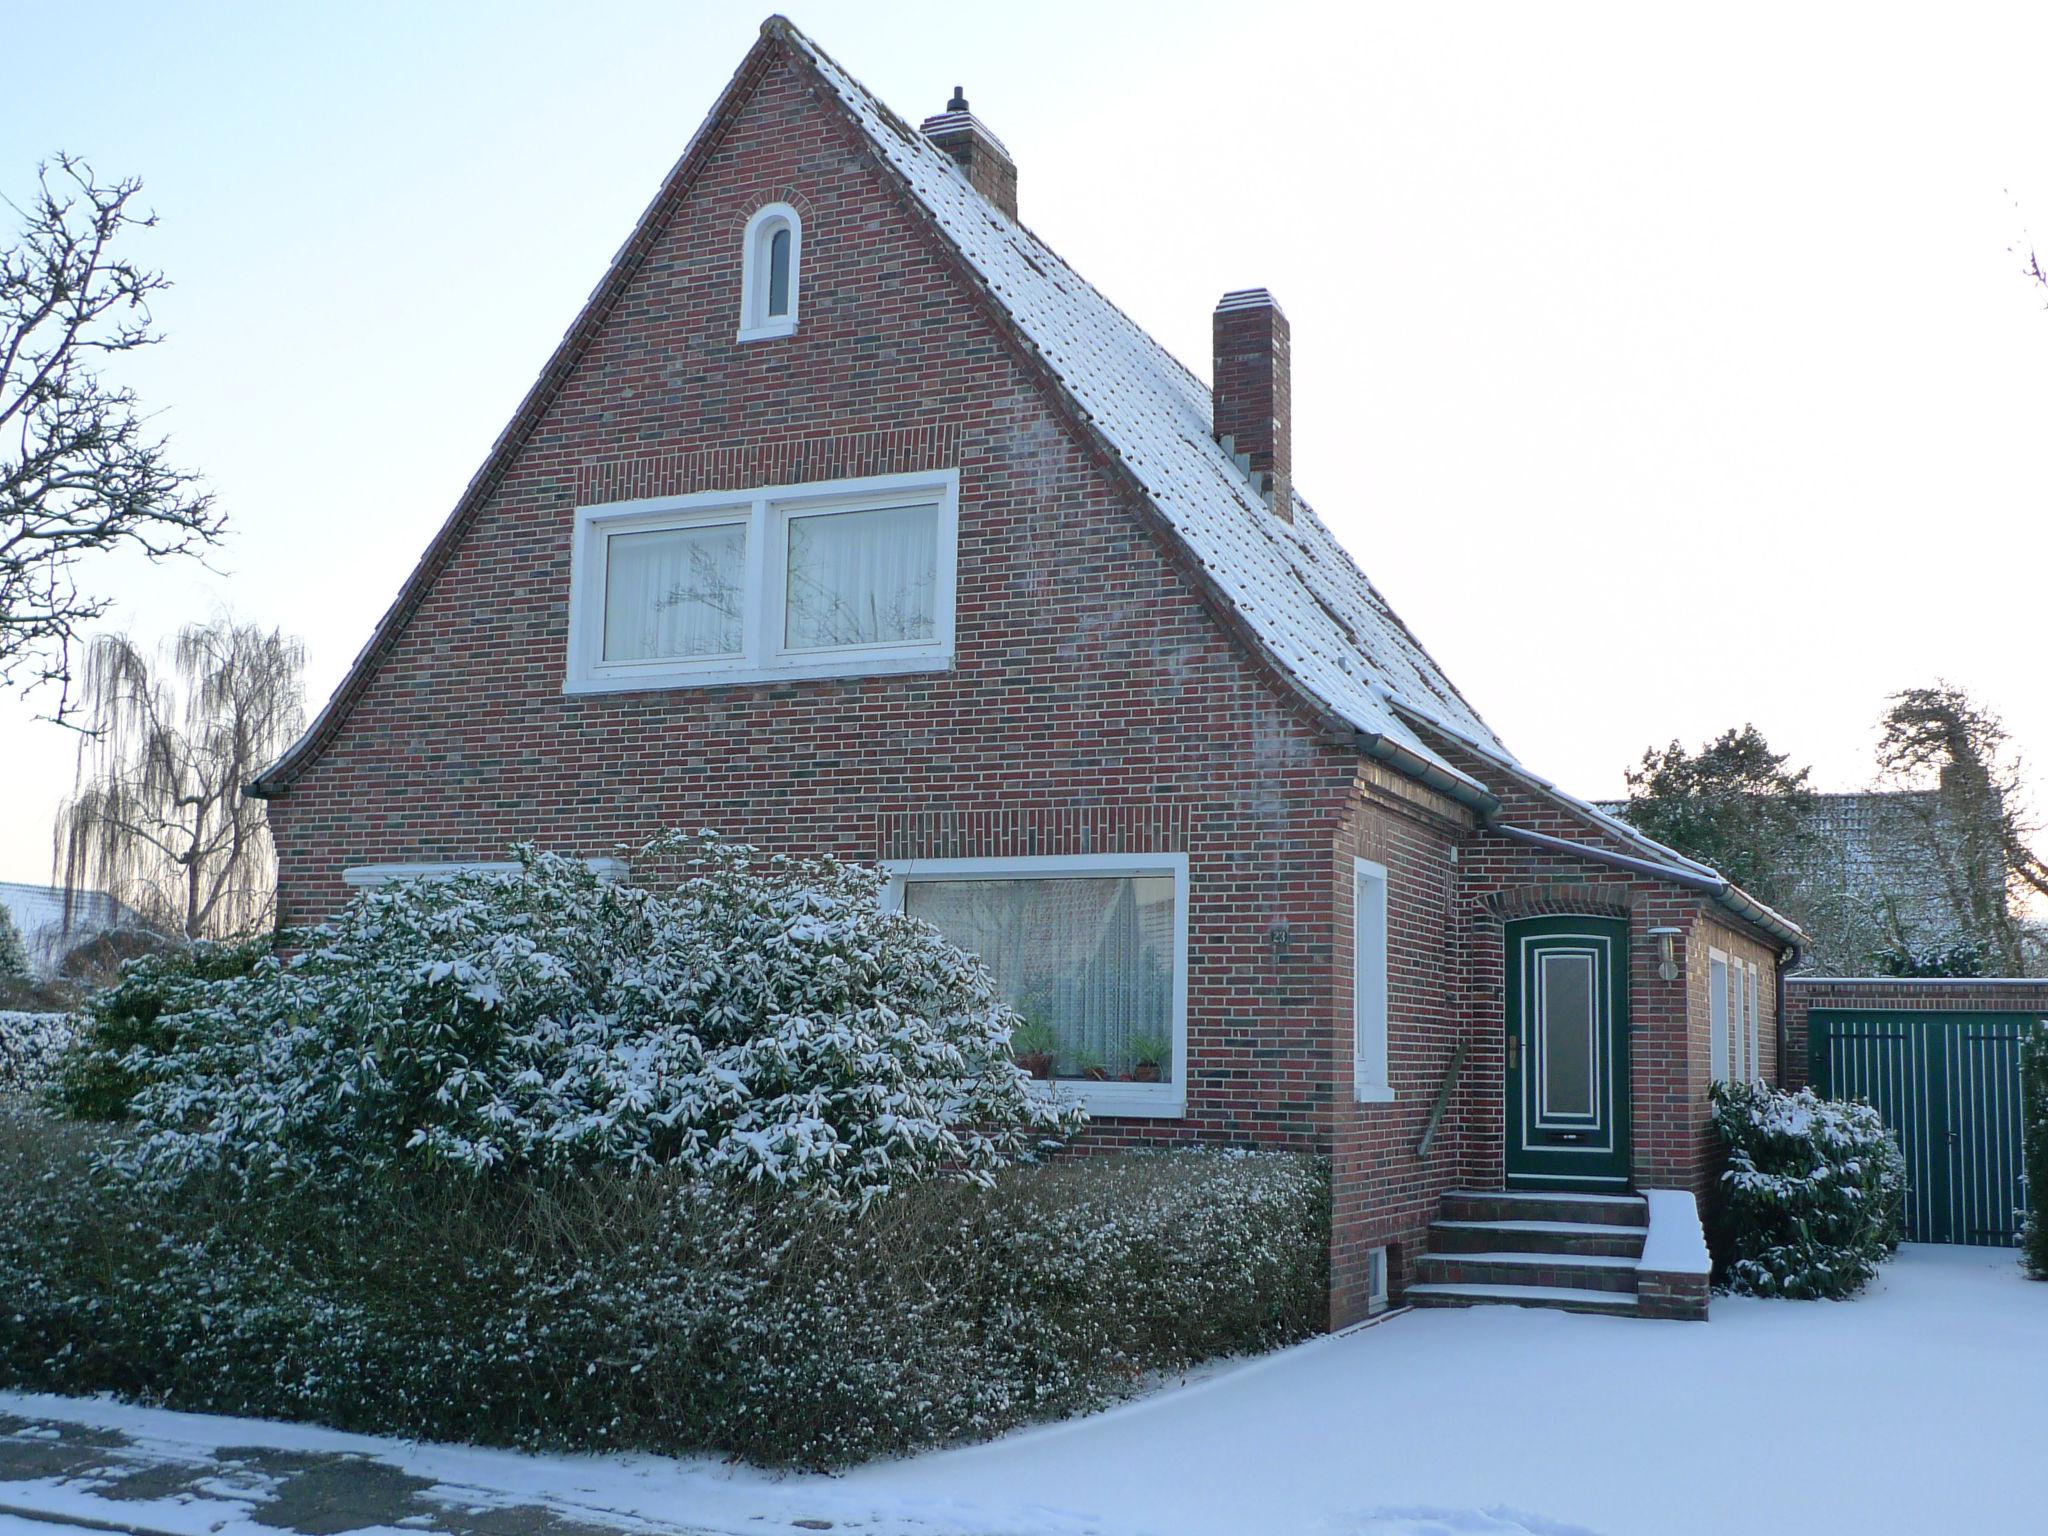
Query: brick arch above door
{"points": [[1587, 899]]}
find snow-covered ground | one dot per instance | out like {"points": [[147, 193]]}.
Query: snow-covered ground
{"points": [[1917, 1408]]}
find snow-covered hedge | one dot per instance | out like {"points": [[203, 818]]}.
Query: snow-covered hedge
{"points": [[31, 1045], [2034, 1142], [766, 1021], [1813, 1197], [612, 1310]]}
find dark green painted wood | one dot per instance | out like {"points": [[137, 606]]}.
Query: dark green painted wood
{"points": [[1948, 1085], [1548, 1148]]}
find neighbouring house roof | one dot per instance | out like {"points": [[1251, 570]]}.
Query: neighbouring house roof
{"points": [[47, 932], [1872, 845], [1290, 587]]}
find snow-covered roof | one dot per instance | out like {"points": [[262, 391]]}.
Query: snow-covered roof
{"points": [[1293, 585]]}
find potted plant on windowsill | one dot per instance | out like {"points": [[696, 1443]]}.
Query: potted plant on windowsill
{"points": [[1091, 1066], [1149, 1056], [1033, 1045]]}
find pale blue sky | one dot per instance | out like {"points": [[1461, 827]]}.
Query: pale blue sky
{"points": [[1601, 315]]}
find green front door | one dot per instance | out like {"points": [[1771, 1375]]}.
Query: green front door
{"points": [[1567, 1053]]}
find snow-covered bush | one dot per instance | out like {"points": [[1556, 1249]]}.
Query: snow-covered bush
{"points": [[31, 1045], [767, 1021], [2034, 1143], [129, 1029], [1813, 1197], [619, 1310]]}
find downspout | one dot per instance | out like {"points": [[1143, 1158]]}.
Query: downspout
{"points": [[1788, 957]]}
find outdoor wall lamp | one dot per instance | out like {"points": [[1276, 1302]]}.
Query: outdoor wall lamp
{"points": [[1667, 953]]}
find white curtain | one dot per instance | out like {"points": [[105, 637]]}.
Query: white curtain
{"points": [[1091, 957], [862, 578], [674, 592]]}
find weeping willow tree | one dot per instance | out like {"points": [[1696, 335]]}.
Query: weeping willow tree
{"points": [[157, 818]]}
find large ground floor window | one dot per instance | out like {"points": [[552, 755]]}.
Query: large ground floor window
{"points": [[1091, 950]]}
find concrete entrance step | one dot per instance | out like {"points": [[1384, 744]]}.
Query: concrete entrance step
{"points": [[1588, 1237], [1563, 1297]]}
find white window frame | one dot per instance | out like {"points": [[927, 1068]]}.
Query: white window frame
{"points": [[364, 875], [1717, 1016], [1372, 1079], [1737, 1025], [756, 324], [1756, 1048], [766, 512], [1156, 1101]]}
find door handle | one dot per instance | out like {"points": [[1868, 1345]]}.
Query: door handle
{"points": [[1514, 1052]]}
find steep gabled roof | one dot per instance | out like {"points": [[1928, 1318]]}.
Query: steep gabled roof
{"points": [[1300, 594], [1291, 587]]}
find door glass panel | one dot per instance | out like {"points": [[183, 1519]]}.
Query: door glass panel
{"points": [[1565, 1046]]}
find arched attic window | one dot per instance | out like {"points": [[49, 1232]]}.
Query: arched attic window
{"points": [[770, 272]]}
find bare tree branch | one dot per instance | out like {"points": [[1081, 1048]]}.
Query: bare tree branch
{"points": [[79, 475]]}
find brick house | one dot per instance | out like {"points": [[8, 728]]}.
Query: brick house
{"points": [[848, 518]]}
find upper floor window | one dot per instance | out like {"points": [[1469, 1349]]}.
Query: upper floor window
{"points": [[770, 272], [841, 578]]}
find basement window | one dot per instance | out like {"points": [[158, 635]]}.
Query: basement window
{"points": [[1376, 1282], [1090, 950], [844, 578], [770, 272]]}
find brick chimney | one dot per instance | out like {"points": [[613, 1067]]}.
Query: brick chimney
{"points": [[1252, 399], [978, 153]]}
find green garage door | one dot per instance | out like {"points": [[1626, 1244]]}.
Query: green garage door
{"points": [[1949, 1085]]}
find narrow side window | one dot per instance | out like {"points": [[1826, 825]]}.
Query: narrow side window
{"points": [[1369, 982], [771, 272], [1717, 1013]]}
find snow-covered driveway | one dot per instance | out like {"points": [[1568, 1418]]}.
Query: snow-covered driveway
{"points": [[1915, 1409]]}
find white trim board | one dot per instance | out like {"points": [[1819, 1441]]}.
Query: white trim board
{"points": [[363, 875]]}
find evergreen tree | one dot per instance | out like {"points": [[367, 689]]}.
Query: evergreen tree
{"points": [[1733, 804]]}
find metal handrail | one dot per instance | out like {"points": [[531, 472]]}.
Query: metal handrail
{"points": [[1443, 1099]]}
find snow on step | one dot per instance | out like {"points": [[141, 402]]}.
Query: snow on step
{"points": [[1524, 1295], [1544, 1196], [1561, 1228], [1546, 1260]]}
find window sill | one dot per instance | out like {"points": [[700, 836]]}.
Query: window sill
{"points": [[1125, 1101], [368, 875], [1373, 1094], [769, 331], [849, 667]]}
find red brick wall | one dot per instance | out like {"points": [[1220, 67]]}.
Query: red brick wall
{"points": [[1383, 1194], [1092, 688], [1095, 702], [1803, 994]]}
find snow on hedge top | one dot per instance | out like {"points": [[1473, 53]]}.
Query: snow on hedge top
{"points": [[1300, 592]]}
